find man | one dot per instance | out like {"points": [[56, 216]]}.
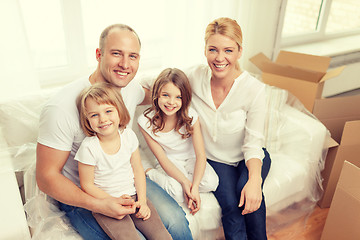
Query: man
{"points": [[60, 136]]}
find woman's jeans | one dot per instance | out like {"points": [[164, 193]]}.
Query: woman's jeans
{"points": [[231, 182], [171, 214]]}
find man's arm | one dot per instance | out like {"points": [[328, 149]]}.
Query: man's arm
{"points": [[49, 164], [147, 98]]}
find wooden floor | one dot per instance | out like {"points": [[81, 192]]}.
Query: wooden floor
{"points": [[306, 228]]}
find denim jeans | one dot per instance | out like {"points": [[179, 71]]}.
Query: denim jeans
{"points": [[231, 181], [171, 214]]}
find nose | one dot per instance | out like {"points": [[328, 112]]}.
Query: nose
{"points": [[171, 100], [220, 56], [103, 118], [124, 62]]}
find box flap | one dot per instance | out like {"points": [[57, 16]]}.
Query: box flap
{"points": [[330, 142], [304, 61], [350, 172], [351, 133], [260, 60], [337, 107], [266, 65], [332, 73]]}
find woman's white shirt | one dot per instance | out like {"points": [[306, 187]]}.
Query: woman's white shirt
{"points": [[235, 130]]}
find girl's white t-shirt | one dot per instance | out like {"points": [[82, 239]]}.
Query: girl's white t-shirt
{"points": [[113, 173], [175, 147]]}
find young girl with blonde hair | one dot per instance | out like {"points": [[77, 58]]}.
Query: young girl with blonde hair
{"points": [[172, 130], [109, 163]]}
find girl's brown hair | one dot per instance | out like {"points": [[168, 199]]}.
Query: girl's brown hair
{"points": [[227, 27], [180, 80], [102, 93]]}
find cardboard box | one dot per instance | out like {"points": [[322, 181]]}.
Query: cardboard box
{"points": [[338, 115], [301, 74], [343, 218]]}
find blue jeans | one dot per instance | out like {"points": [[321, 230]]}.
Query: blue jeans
{"points": [[169, 210], [231, 181]]}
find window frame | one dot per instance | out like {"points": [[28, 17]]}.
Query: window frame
{"points": [[316, 36]]}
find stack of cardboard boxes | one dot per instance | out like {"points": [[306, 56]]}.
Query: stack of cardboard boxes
{"points": [[304, 76]]}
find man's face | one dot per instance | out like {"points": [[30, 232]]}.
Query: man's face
{"points": [[119, 59]]}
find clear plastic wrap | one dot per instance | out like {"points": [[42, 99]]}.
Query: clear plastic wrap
{"points": [[296, 141]]}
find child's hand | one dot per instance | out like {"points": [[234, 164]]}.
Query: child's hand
{"points": [[186, 185], [144, 210], [194, 203]]}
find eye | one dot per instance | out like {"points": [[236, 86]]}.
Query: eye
{"points": [[94, 115], [229, 51], [133, 56], [165, 95], [179, 97], [212, 50], [108, 111]]}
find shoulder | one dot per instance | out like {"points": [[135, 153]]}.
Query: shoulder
{"points": [[144, 121], [198, 71], [192, 113], [129, 133]]}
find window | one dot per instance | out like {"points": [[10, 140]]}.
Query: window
{"points": [[62, 35], [314, 20]]}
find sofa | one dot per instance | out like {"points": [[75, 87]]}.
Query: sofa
{"points": [[295, 139]]}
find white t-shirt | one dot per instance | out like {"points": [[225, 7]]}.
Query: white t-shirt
{"points": [[113, 173], [235, 130], [175, 147], [59, 120]]}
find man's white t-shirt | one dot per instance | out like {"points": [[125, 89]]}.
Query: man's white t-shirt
{"points": [[112, 173], [59, 120]]}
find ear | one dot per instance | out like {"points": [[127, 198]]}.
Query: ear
{"points": [[98, 54], [240, 52]]}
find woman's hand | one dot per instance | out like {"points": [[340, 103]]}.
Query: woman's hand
{"points": [[251, 195], [144, 210]]}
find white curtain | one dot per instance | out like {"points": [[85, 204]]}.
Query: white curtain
{"points": [[18, 76]]}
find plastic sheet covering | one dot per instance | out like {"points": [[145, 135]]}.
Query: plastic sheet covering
{"points": [[47, 221], [44, 218], [297, 143]]}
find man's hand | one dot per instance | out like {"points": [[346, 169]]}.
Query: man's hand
{"points": [[117, 207]]}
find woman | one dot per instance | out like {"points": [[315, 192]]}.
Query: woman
{"points": [[231, 108]]}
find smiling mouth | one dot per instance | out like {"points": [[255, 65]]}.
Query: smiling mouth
{"points": [[105, 126], [220, 66], [121, 73], [169, 108]]}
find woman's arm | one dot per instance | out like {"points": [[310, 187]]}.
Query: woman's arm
{"points": [[252, 193], [86, 174], [140, 185], [165, 163]]}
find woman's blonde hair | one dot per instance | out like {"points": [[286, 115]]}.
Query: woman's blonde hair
{"points": [[180, 80], [102, 93], [227, 27]]}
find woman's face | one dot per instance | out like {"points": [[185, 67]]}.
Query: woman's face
{"points": [[222, 54]]}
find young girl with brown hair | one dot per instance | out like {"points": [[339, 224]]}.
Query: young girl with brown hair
{"points": [[172, 130]]}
